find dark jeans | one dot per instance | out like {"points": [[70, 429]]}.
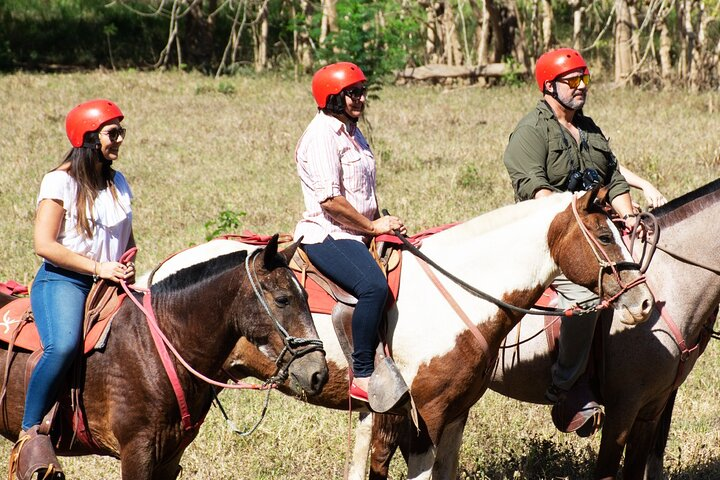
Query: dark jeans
{"points": [[349, 264], [58, 303]]}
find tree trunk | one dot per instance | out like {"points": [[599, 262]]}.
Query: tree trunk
{"points": [[301, 37], [548, 36], [578, 11], [664, 52], [328, 23], [451, 42], [482, 37], [623, 39], [261, 36]]}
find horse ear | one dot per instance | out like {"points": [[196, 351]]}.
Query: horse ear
{"points": [[593, 199], [270, 253], [289, 252]]}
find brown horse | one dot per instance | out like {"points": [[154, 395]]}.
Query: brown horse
{"points": [[513, 254], [642, 367], [130, 407]]}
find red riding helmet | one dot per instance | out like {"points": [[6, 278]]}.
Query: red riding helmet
{"points": [[332, 79], [552, 64], [88, 117]]}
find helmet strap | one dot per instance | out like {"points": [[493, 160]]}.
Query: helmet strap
{"points": [[92, 140], [554, 94], [335, 104]]}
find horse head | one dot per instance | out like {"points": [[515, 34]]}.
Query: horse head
{"points": [[297, 351], [600, 262]]}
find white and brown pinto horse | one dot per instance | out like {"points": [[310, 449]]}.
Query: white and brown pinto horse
{"points": [[513, 254], [642, 366]]}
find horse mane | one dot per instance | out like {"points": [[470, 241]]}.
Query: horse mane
{"points": [[688, 204], [198, 274], [506, 215]]}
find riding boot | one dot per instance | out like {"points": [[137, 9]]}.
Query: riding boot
{"points": [[33, 457]]}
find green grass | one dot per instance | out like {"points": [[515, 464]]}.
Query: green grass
{"points": [[196, 148]]}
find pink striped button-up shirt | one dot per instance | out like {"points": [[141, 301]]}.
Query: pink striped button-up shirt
{"points": [[333, 160]]}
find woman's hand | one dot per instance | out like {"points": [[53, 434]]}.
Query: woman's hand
{"points": [[116, 271], [388, 224], [653, 197]]}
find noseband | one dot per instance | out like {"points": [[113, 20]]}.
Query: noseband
{"points": [[294, 347]]}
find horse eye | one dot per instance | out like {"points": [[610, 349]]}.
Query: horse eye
{"points": [[606, 239], [282, 301]]}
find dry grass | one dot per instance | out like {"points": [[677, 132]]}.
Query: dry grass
{"points": [[193, 151]]}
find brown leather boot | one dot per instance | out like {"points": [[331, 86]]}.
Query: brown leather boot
{"points": [[33, 457]]}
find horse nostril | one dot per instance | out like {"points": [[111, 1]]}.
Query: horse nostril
{"points": [[647, 306], [318, 380]]}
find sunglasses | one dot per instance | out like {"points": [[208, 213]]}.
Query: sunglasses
{"points": [[574, 82], [115, 133], [356, 93]]}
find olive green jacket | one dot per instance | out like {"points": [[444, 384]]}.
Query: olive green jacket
{"points": [[542, 154]]}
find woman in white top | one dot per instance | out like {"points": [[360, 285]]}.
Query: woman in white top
{"points": [[337, 175], [83, 225]]}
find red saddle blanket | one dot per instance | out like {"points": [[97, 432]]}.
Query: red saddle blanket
{"points": [[318, 299], [14, 322]]}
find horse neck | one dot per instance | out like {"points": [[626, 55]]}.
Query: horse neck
{"points": [[507, 248], [201, 321], [688, 294]]}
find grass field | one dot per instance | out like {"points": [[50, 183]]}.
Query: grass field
{"points": [[196, 147]]}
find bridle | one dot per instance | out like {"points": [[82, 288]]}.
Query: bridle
{"points": [[294, 347], [605, 263]]}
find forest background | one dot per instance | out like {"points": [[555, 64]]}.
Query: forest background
{"points": [[656, 43]]}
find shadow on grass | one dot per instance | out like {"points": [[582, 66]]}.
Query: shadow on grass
{"points": [[704, 471], [537, 458]]}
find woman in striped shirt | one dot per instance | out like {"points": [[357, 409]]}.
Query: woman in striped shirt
{"points": [[337, 175]]}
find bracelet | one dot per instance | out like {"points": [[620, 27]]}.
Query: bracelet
{"points": [[96, 275], [628, 215]]}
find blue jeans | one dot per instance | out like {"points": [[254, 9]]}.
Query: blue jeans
{"points": [[58, 303], [349, 264]]}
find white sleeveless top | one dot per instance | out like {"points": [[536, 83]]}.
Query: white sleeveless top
{"points": [[113, 220]]}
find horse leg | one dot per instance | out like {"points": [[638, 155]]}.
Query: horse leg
{"points": [[448, 451], [640, 442], [363, 437], [421, 453], [654, 466], [136, 459], [169, 470], [387, 430], [614, 437]]}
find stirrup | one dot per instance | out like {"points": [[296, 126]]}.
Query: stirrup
{"points": [[33, 457]]}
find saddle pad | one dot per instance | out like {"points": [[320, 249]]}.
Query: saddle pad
{"points": [[12, 315], [11, 287]]}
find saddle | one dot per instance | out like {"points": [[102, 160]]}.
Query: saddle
{"points": [[65, 423], [388, 390], [581, 409]]}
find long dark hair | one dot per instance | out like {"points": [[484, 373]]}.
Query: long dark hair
{"points": [[83, 169]]}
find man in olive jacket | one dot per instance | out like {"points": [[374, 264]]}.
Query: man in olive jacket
{"points": [[556, 148]]}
